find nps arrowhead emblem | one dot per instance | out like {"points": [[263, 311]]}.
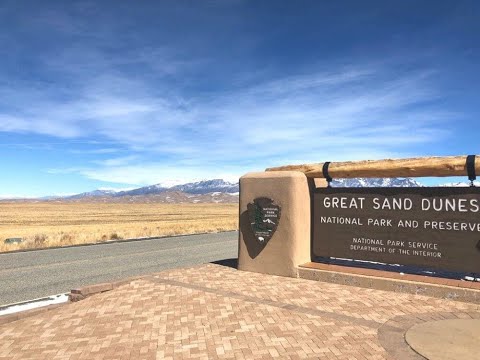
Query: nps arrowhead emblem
{"points": [[264, 217]]}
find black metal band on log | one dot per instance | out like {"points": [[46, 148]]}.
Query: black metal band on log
{"points": [[472, 176], [326, 175]]}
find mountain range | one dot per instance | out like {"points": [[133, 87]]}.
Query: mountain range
{"points": [[225, 187], [196, 188], [216, 190]]}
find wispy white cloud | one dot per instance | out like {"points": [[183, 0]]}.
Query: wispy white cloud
{"points": [[65, 170], [156, 173], [95, 151], [348, 112], [119, 161]]}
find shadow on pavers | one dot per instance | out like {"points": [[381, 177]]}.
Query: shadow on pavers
{"points": [[232, 263]]}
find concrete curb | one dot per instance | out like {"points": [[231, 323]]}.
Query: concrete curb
{"points": [[83, 292], [115, 242]]}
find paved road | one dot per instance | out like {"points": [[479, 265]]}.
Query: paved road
{"points": [[34, 274]]}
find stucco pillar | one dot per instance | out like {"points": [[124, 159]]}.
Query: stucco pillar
{"points": [[290, 244]]}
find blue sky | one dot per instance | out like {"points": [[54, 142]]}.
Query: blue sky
{"points": [[111, 94]]}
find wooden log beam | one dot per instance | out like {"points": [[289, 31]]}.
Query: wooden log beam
{"points": [[413, 167]]}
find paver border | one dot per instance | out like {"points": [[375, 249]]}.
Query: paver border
{"points": [[389, 281]]}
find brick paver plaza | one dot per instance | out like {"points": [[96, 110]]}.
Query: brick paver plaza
{"points": [[213, 311]]}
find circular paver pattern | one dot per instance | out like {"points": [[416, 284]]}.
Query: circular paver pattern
{"points": [[446, 339]]}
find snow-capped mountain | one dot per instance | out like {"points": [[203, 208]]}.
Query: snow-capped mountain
{"points": [[200, 187], [146, 190], [207, 186], [376, 182], [206, 191], [94, 193]]}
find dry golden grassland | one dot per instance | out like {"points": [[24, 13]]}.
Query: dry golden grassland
{"points": [[46, 224]]}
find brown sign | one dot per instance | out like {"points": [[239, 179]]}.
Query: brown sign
{"points": [[437, 228], [264, 216]]}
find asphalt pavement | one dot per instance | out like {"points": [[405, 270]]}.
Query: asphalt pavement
{"points": [[35, 274]]}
